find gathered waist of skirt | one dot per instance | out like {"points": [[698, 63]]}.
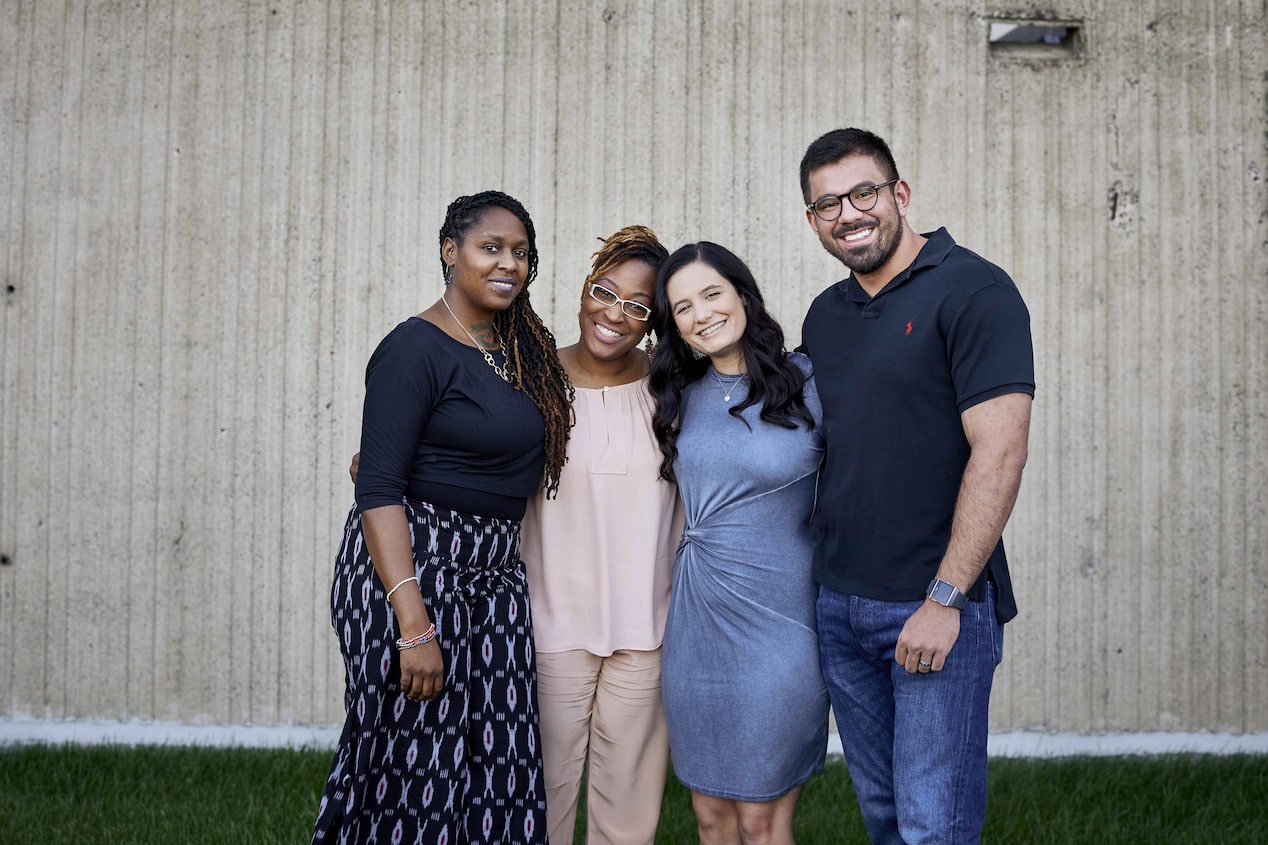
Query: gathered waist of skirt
{"points": [[471, 541]]}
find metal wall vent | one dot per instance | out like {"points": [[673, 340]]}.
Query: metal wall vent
{"points": [[1034, 38]]}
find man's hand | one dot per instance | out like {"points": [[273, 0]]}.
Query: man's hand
{"points": [[352, 468], [927, 638]]}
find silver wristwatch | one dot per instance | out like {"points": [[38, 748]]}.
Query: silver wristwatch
{"points": [[946, 594]]}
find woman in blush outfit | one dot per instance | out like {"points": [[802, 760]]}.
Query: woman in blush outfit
{"points": [[466, 411], [599, 560], [737, 419]]}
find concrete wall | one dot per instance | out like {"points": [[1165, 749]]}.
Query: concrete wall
{"points": [[212, 211]]}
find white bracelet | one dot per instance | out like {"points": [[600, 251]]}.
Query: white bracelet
{"points": [[413, 578]]}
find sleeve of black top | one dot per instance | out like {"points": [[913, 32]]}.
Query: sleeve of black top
{"points": [[989, 346], [400, 391]]}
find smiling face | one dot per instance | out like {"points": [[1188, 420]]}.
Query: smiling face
{"points": [[607, 332], [864, 241], [709, 314], [489, 266]]}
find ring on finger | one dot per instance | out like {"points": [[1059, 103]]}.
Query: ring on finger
{"points": [[926, 664]]}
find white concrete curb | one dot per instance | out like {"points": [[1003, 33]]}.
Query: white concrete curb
{"points": [[1043, 744], [24, 730]]}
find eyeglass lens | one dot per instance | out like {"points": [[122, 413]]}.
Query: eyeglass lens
{"points": [[863, 199], [630, 309]]}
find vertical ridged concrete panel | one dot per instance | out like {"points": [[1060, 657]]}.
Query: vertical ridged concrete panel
{"points": [[1134, 217], [211, 212]]}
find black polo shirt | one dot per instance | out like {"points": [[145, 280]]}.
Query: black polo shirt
{"points": [[894, 373]]}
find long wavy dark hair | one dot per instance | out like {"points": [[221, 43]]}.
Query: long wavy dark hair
{"points": [[775, 382], [534, 366]]}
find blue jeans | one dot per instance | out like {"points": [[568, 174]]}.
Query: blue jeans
{"points": [[915, 744]]}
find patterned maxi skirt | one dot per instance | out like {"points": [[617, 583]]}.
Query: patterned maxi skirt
{"points": [[466, 766]]}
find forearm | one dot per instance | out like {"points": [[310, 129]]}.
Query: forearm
{"points": [[987, 495], [997, 433], [387, 537]]}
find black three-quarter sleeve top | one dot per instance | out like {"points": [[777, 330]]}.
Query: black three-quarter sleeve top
{"points": [[440, 426]]}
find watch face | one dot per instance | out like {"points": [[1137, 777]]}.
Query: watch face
{"points": [[944, 594]]}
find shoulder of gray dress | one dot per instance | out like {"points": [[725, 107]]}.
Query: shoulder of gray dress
{"points": [[802, 361]]}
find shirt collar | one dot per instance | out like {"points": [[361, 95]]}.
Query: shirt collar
{"points": [[937, 246]]}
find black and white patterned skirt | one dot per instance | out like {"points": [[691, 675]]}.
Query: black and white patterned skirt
{"points": [[466, 766]]}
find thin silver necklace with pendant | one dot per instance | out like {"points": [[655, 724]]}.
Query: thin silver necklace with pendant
{"points": [[728, 386], [488, 357]]}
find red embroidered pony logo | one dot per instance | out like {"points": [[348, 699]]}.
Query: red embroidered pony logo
{"points": [[908, 327]]}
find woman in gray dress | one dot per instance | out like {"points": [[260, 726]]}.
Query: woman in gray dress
{"points": [[737, 422]]}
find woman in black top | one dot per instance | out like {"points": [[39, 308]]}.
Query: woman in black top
{"points": [[466, 411]]}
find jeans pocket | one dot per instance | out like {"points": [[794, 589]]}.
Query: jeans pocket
{"points": [[994, 626]]}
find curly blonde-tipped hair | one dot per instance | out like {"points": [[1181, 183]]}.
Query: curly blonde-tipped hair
{"points": [[632, 243]]}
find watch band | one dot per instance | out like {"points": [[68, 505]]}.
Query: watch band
{"points": [[946, 594]]}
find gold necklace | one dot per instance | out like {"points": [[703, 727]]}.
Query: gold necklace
{"points": [[501, 371]]}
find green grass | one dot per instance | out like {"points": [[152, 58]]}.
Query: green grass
{"points": [[73, 794], [90, 794]]}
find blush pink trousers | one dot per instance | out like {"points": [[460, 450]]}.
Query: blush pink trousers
{"points": [[605, 711]]}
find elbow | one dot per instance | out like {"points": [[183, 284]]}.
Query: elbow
{"points": [[1015, 458], [1015, 464], [1003, 459]]}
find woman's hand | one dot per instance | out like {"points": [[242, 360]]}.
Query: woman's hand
{"points": [[422, 671], [387, 536], [352, 468]]}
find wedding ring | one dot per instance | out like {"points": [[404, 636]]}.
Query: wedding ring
{"points": [[926, 663]]}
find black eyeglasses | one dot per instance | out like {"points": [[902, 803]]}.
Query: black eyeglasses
{"points": [[829, 208], [634, 310]]}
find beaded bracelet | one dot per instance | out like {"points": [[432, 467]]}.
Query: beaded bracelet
{"points": [[413, 578], [425, 637]]}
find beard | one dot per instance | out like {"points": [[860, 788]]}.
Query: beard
{"points": [[889, 233]]}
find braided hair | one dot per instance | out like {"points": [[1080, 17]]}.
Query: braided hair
{"points": [[632, 243], [533, 366]]}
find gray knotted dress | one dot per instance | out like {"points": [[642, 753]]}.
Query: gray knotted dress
{"points": [[744, 698]]}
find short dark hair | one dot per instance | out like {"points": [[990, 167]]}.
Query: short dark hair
{"points": [[840, 143]]}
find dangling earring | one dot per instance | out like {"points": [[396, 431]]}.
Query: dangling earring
{"points": [[650, 346], [448, 274]]}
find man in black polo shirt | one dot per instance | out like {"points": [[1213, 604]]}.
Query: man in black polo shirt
{"points": [[923, 362]]}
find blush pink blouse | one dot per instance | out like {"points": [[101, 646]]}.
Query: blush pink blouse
{"points": [[599, 558]]}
